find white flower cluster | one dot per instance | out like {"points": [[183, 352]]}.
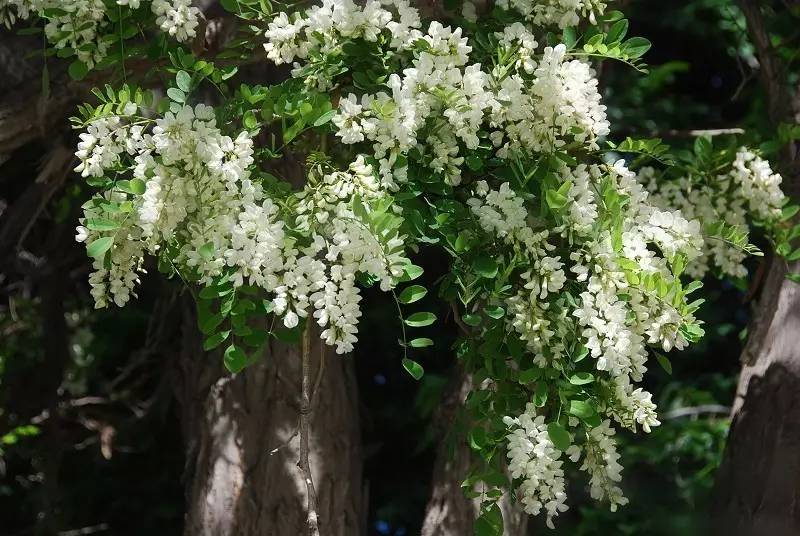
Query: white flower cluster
{"points": [[563, 13], [617, 315], [518, 38], [323, 28], [601, 461], [199, 194], [632, 406], [439, 87], [748, 191], [80, 24], [442, 101], [534, 460], [178, 18]]}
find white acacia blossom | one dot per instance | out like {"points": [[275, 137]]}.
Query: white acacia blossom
{"points": [[199, 193], [534, 460], [748, 191], [562, 13]]}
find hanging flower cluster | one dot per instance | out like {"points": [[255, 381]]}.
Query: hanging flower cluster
{"points": [[192, 198], [745, 191], [563, 13]]}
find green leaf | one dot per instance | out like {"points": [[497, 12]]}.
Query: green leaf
{"points": [[540, 394], [411, 272], [78, 70], [291, 133], [530, 375], [703, 147], [581, 378], [420, 343], [570, 37], [559, 436], [555, 200], [617, 31], [256, 338], [215, 291], [584, 411], [664, 362], [235, 359], [789, 211], [231, 6], [485, 266], [418, 320], [413, 368], [691, 287], [472, 320], [484, 527], [206, 251], [495, 312], [209, 324], [184, 81], [101, 224], [97, 249], [249, 121], [133, 186], [636, 47], [176, 95], [412, 294], [474, 162], [477, 438], [325, 118], [215, 340], [793, 256]]}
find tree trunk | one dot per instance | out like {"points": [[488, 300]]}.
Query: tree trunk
{"points": [[242, 443], [449, 512], [758, 484]]}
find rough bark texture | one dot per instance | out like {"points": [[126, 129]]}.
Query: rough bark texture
{"points": [[758, 484], [242, 443], [449, 512]]}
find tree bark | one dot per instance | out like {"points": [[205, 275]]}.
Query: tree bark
{"points": [[758, 484], [242, 442], [449, 512]]}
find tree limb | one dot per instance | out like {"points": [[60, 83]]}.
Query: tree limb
{"points": [[305, 412]]}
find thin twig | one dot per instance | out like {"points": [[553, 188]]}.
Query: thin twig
{"points": [[320, 372], [694, 411], [305, 412], [457, 319], [286, 443]]}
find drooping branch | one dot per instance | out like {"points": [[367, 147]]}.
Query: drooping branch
{"points": [[305, 413]]}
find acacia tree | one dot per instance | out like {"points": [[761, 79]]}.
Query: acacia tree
{"points": [[481, 135]]}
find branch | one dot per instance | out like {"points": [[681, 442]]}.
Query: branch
{"points": [[772, 71], [694, 411], [457, 318], [305, 412]]}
